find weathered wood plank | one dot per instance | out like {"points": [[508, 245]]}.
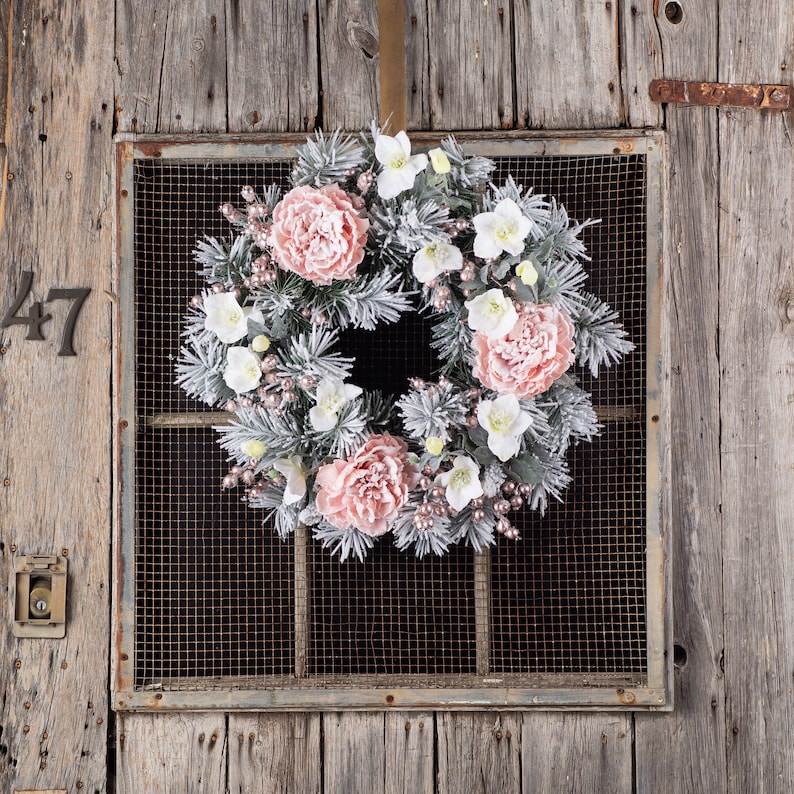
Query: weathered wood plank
{"points": [[54, 417], [756, 336], [271, 65], [171, 64], [354, 758], [641, 62], [409, 753], [567, 65], [349, 63], [685, 750], [274, 753], [471, 69], [417, 65], [171, 752], [478, 753], [576, 752]]}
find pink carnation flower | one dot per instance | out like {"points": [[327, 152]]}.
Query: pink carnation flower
{"points": [[318, 234], [368, 490], [533, 354]]}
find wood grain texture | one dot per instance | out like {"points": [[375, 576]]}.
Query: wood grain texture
{"points": [[471, 66], [271, 65], [685, 750], [410, 749], [171, 752], [756, 340], [54, 418], [417, 65], [349, 63], [576, 752], [640, 62], [171, 63], [354, 753], [478, 752], [567, 65], [271, 753]]}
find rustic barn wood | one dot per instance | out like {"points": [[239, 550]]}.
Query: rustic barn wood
{"points": [[172, 752], [80, 71], [54, 424]]}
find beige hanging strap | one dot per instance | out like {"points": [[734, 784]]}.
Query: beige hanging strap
{"points": [[391, 31]]}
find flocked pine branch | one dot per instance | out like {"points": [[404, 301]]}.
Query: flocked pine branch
{"points": [[312, 354], [199, 370], [435, 539], [570, 415], [283, 516], [344, 542], [600, 338], [431, 411], [281, 434], [327, 158]]}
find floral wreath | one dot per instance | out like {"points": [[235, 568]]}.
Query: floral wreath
{"points": [[499, 269]]}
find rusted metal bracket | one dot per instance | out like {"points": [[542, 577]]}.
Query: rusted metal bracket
{"points": [[740, 95]]}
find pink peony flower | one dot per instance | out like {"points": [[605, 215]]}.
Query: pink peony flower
{"points": [[368, 490], [318, 234], [533, 354]]}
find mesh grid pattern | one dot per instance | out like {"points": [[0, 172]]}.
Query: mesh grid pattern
{"points": [[216, 592]]}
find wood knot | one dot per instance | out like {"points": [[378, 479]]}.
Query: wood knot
{"points": [[363, 39]]}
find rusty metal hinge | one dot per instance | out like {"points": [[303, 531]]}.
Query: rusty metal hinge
{"points": [[741, 95]]}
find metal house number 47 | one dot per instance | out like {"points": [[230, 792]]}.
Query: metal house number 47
{"points": [[36, 317]]}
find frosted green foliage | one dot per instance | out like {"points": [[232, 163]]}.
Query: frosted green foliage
{"points": [[281, 435], [477, 534], [492, 478], [363, 302], [346, 436], [560, 281], [379, 410], [570, 415], [312, 354], [564, 235], [325, 159], [546, 471], [199, 369], [401, 226], [284, 517], [222, 263], [344, 542], [452, 342], [281, 304], [600, 338], [430, 412], [433, 540], [466, 171]]}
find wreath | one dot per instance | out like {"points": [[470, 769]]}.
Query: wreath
{"points": [[367, 232]]}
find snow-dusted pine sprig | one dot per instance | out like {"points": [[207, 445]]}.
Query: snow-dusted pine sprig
{"points": [[570, 416], [600, 338], [349, 432], [479, 534], [435, 538], [430, 411], [199, 369], [324, 159], [452, 342], [344, 542], [312, 354], [546, 471], [225, 263], [284, 517], [281, 434]]}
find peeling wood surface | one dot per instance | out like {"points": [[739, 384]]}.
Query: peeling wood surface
{"points": [[54, 420], [229, 66]]}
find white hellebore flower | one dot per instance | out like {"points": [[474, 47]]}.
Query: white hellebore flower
{"points": [[504, 229], [492, 313], [462, 482], [505, 422], [227, 319], [292, 469], [242, 372], [399, 168], [332, 396], [436, 258]]}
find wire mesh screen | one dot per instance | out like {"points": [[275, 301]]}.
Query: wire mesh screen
{"points": [[219, 598]]}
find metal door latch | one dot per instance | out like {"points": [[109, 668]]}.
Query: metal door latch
{"points": [[40, 601], [740, 95]]}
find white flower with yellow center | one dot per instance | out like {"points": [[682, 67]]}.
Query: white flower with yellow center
{"points": [[462, 482], [492, 313], [242, 372], [292, 469], [227, 319], [505, 424], [332, 395], [436, 258], [399, 167], [504, 229]]}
